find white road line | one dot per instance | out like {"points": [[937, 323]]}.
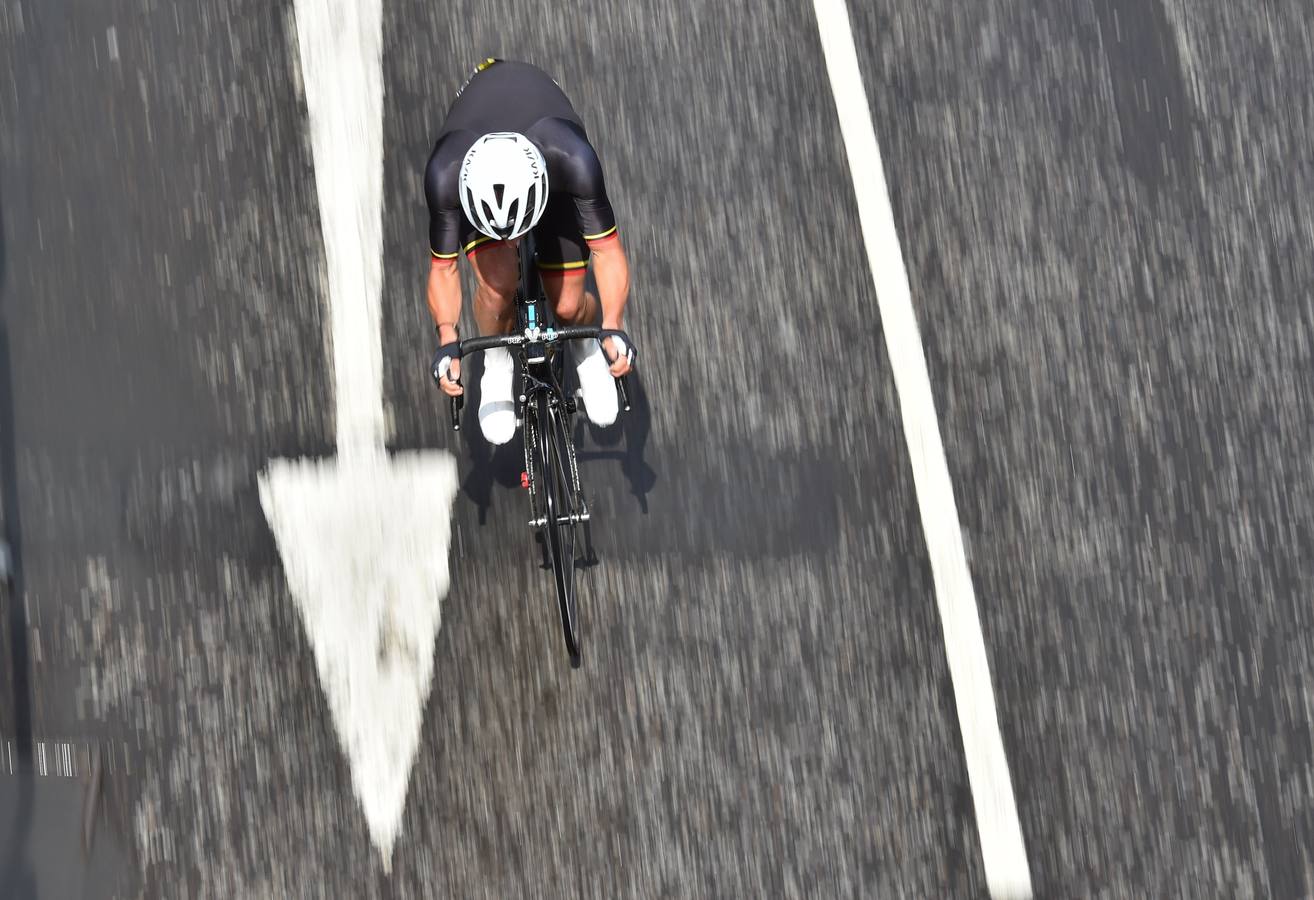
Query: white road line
{"points": [[364, 538], [1007, 872]]}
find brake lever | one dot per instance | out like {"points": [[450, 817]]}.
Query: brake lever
{"points": [[457, 403], [452, 351], [623, 393]]}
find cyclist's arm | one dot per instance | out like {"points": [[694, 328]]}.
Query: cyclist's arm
{"points": [[611, 271], [582, 178], [444, 298], [443, 293]]}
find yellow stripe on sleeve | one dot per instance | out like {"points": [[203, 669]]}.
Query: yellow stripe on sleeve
{"points": [[597, 237], [482, 239]]}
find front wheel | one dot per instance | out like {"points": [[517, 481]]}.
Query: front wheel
{"points": [[561, 513]]}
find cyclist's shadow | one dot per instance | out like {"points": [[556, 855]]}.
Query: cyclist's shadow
{"points": [[625, 440]]}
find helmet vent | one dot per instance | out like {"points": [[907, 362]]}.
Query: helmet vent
{"points": [[503, 185]]}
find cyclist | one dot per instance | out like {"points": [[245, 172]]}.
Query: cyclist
{"points": [[513, 156]]}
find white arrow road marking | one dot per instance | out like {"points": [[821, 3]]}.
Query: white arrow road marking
{"points": [[363, 538], [1007, 873]]}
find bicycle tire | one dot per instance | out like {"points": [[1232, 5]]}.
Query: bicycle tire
{"points": [[560, 509]]}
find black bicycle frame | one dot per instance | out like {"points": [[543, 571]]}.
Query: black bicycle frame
{"points": [[543, 410]]}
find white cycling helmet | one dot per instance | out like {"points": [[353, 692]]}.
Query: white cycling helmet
{"points": [[503, 185]]}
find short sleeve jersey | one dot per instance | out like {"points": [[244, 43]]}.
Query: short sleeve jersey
{"points": [[504, 95]]}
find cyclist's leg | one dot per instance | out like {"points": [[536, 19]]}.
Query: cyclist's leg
{"points": [[571, 303], [563, 259], [497, 272]]}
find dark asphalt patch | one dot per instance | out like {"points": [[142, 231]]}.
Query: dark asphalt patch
{"points": [[1155, 114]]}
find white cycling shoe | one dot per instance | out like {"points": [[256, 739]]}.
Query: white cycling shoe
{"points": [[596, 383], [497, 408]]}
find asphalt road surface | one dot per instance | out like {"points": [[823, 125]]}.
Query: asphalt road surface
{"points": [[1105, 213]]}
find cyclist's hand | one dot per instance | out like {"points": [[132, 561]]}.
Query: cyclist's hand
{"points": [[619, 350], [446, 369]]}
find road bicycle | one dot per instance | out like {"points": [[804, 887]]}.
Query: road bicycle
{"points": [[558, 510]]}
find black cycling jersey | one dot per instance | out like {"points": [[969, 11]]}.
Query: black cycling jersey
{"points": [[504, 95]]}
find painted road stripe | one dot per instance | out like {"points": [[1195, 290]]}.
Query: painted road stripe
{"points": [[364, 537], [1007, 873]]}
